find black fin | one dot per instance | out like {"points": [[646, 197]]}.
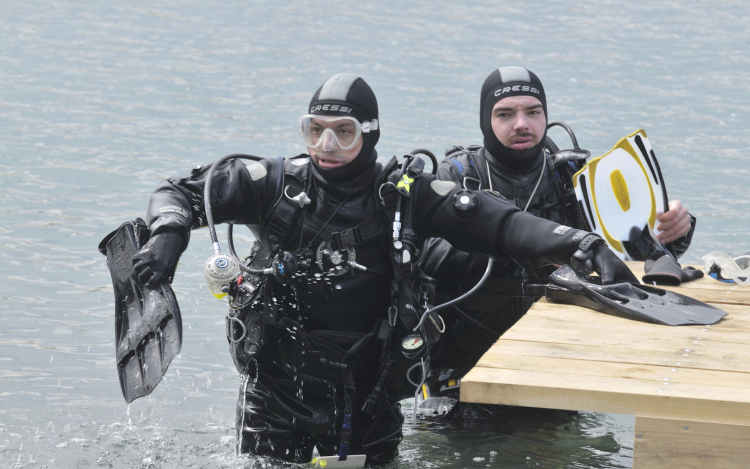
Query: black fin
{"points": [[634, 301], [148, 325]]}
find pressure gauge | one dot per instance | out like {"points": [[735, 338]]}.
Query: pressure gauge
{"points": [[413, 346], [412, 343]]}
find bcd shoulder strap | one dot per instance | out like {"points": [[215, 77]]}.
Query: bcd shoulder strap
{"points": [[293, 185], [470, 165]]}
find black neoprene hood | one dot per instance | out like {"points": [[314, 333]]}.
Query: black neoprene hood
{"points": [[347, 94], [504, 83]]}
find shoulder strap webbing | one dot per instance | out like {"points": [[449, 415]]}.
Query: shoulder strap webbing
{"points": [[365, 231], [293, 179]]}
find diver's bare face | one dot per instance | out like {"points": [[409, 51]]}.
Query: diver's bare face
{"points": [[330, 155], [518, 121]]}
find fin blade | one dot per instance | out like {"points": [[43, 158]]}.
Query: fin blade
{"points": [[643, 302], [148, 324]]}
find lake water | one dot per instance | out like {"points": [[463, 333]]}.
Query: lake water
{"points": [[101, 100]]}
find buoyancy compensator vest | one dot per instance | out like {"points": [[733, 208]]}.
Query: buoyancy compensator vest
{"points": [[553, 198], [405, 337]]}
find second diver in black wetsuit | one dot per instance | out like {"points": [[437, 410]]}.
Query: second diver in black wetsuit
{"points": [[515, 163]]}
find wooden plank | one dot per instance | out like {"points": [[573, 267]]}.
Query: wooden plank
{"points": [[555, 320], [593, 353], [734, 311], [604, 394], [738, 317], [605, 339], [685, 444], [739, 314], [664, 375]]}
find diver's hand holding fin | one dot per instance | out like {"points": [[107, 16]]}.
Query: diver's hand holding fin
{"points": [[157, 260], [148, 324], [594, 255], [674, 224]]}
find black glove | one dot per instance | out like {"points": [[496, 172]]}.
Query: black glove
{"points": [[610, 268], [593, 254], [156, 261]]}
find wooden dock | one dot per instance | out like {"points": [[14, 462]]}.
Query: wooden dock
{"points": [[688, 386]]}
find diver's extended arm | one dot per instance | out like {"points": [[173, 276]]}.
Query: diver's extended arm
{"points": [[238, 195], [487, 225]]}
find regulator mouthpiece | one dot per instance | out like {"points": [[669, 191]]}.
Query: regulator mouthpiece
{"points": [[221, 270]]}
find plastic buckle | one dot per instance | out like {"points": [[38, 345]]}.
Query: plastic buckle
{"points": [[451, 384]]}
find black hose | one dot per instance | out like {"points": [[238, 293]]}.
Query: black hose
{"points": [[550, 145], [430, 155], [490, 263], [580, 220], [567, 129], [553, 148], [230, 240]]}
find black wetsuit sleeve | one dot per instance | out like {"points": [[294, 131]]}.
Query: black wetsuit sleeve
{"points": [[497, 229], [236, 197], [680, 245], [439, 259]]}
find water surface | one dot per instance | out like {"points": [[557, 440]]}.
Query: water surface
{"points": [[98, 102]]}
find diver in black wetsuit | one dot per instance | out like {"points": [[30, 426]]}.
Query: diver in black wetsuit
{"points": [[324, 343], [516, 164]]}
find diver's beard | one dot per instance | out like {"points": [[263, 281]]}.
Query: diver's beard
{"points": [[519, 161], [522, 158]]}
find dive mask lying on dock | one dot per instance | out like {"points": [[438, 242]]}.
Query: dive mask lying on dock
{"points": [[729, 269], [625, 299]]}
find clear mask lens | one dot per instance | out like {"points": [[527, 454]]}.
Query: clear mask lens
{"points": [[331, 133]]}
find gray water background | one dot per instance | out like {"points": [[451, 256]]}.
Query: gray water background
{"points": [[101, 100]]}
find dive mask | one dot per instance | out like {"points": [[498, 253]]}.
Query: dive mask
{"points": [[332, 133], [729, 269]]}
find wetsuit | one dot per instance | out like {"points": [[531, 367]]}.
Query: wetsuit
{"points": [[498, 305], [294, 402], [527, 179]]}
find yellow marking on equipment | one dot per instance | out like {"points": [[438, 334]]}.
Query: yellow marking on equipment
{"points": [[425, 392], [219, 296], [451, 382], [620, 188], [405, 182], [623, 143]]}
